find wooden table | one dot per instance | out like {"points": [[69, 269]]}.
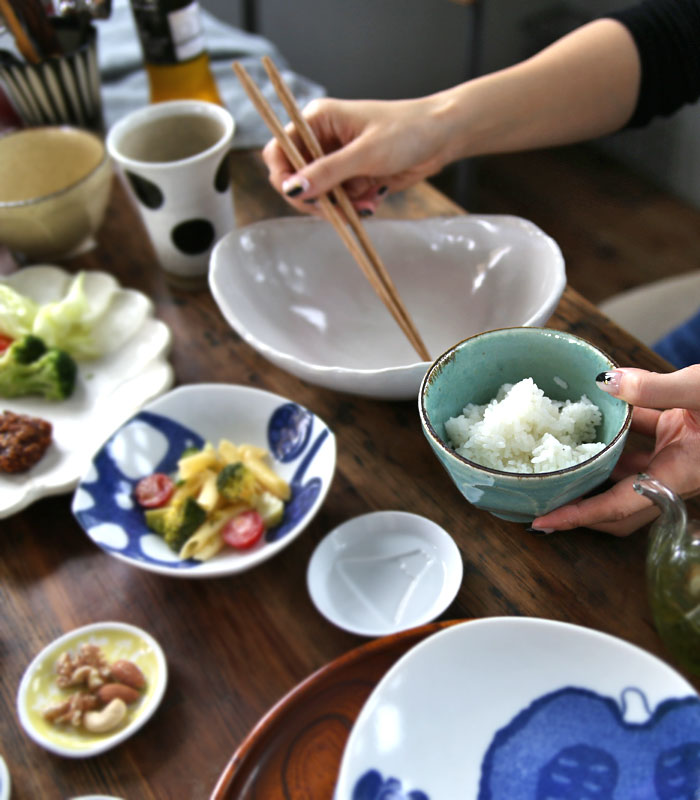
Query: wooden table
{"points": [[236, 645]]}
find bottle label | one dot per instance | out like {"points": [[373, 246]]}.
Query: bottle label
{"points": [[170, 30]]}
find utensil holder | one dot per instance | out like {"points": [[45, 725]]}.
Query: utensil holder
{"points": [[61, 89]]}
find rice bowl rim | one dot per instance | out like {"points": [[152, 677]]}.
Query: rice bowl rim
{"points": [[437, 440]]}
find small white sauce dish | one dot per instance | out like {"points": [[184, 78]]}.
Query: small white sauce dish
{"points": [[37, 689], [384, 572]]}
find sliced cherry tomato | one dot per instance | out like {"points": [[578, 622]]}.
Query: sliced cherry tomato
{"points": [[244, 530], [5, 342], [154, 490]]}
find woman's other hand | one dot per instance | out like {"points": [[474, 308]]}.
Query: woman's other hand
{"points": [[667, 410]]}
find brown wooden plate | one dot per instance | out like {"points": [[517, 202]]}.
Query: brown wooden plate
{"points": [[294, 752]]}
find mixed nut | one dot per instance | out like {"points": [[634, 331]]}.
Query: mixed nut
{"points": [[103, 690]]}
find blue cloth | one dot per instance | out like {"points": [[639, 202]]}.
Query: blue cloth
{"points": [[681, 347]]}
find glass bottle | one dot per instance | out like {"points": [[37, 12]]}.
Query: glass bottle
{"points": [[673, 573], [175, 56]]}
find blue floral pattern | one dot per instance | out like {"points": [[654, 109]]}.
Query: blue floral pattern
{"points": [[574, 744], [371, 786]]}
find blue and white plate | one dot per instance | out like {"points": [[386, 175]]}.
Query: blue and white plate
{"points": [[301, 446], [525, 709]]}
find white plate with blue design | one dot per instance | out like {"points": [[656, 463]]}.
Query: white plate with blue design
{"points": [[302, 451], [133, 370], [525, 709]]}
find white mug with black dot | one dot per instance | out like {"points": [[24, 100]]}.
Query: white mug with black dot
{"points": [[173, 157]]}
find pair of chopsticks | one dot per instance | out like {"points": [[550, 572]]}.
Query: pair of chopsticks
{"points": [[359, 245]]}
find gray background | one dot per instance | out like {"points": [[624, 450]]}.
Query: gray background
{"points": [[404, 48]]}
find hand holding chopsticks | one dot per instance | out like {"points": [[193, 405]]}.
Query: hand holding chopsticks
{"points": [[361, 247]]}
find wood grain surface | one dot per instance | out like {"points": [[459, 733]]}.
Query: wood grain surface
{"points": [[236, 645]]}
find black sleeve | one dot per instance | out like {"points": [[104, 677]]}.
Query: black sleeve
{"points": [[667, 34]]}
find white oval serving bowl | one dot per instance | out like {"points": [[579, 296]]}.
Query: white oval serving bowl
{"points": [[37, 690], [291, 290], [192, 415]]}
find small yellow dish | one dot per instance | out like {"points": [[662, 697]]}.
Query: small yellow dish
{"points": [[38, 690], [56, 182]]}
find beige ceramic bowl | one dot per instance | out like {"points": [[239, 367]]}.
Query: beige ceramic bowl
{"points": [[55, 185]]}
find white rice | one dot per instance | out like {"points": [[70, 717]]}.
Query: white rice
{"points": [[521, 430]]}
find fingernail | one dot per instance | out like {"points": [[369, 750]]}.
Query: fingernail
{"points": [[540, 531], [310, 201], [382, 190], [609, 381], [295, 185], [365, 212]]}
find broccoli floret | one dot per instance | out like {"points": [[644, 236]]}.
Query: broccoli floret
{"points": [[176, 522], [28, 367], [236, 482], [28, 349]]}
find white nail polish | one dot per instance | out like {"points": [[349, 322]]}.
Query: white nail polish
{"points": [[295, 185]]}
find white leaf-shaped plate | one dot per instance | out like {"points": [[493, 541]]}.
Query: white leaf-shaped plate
{"points": [[109, 390]]}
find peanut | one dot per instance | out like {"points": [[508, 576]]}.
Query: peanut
{"points": [[127, 672], [107, 693]]}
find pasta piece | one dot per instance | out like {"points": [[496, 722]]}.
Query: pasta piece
{"points": [[185, 489], [209, 531], [252, 451], [197, 462], [265, 474], [210, 549], [208, 496], [228, 452]]}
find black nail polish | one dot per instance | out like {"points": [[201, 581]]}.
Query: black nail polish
{"points": [[537, 532], [365, 212], [602, 377], [310, 201], [382, 190], [295, 191]]}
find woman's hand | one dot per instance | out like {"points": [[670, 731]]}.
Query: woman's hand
{"points": [[675, 459], [373, 147], [581, 87]]}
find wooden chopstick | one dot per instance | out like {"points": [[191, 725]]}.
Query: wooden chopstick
{"points": [[40, 28], [314, 147], [23, 42], [371, 265]]}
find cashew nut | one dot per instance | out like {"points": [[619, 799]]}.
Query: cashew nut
{"points": [[106, 718]]}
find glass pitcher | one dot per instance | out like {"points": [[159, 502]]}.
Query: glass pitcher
{"points": [[673, 573]]}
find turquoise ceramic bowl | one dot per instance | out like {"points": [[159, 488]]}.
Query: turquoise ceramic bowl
{"points": [[564, 367]]}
